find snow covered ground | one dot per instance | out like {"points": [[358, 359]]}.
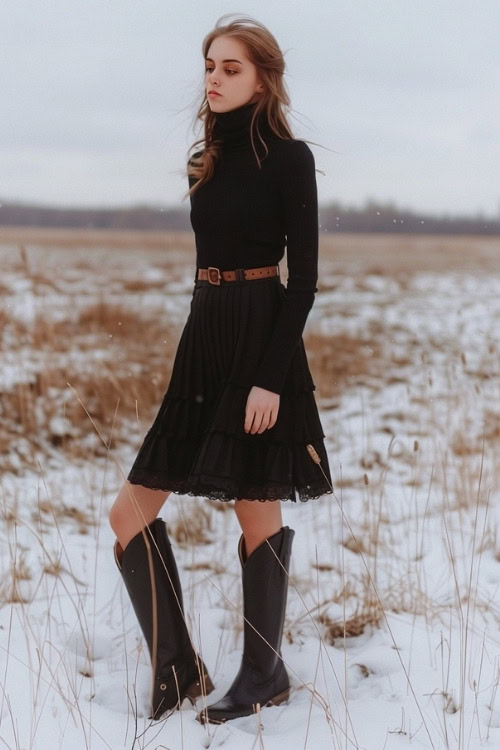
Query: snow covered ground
{"points": [[405, 554]]}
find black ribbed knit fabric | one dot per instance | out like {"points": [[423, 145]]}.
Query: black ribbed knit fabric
{"points": [[244, 216]]}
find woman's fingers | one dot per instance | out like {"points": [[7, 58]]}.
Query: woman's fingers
{"points": [[260, 415], [266, 418], [261, 421], [274, 417], [254, 420]]}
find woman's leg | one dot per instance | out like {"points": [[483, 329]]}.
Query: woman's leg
{"points": [[149, 570], [134, 508], [262, 677], [258, 520]]}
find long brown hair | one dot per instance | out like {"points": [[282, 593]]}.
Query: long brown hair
{"points": [[264, 52]]}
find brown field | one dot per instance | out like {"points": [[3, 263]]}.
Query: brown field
{"points": [[403, 343], [376, 253], [90, 291]]}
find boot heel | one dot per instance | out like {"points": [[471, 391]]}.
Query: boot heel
{"points": [[280, 698], [201, 686]]}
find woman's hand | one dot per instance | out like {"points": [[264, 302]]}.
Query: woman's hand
{"points": [[261, 410]]}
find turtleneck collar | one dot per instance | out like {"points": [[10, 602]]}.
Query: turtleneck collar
{"points": [[233, 127]]}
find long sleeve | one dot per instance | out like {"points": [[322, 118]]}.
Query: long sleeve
{"points": [[299, 203]]}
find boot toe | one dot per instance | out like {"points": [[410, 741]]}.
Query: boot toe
{"points": [[228, 708], [223, 710]]}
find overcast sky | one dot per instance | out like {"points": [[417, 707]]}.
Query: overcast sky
{"points": [[98, 97]]}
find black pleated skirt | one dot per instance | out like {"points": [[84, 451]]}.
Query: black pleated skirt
{"points": [[197, 444]]}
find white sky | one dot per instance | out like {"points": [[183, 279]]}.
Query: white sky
{"points": [[98, 98]]}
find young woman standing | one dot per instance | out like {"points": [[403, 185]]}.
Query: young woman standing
{"points": [[239, 419]]}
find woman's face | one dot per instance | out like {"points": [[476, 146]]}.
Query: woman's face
{"points": [[230, 73]]}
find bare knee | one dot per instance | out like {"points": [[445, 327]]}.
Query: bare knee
{"points": [[258, 520], [255, 514], [135, 506]]}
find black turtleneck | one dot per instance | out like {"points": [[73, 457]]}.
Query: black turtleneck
{"points": [[244, 216]]}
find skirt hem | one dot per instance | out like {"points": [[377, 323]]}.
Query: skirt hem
{"points": [[211, 489]]}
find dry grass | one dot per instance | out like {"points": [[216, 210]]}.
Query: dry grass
{"points": [[96, 238], [401, 255], [124, 383], [129, 382], [339, 361]]}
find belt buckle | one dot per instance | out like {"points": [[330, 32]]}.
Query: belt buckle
{"points": [[217, 277]]}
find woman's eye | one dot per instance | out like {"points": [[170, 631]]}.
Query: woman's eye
{"points": [[207, 70]]}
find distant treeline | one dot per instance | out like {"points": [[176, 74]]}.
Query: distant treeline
{"points": [[333, 217]]}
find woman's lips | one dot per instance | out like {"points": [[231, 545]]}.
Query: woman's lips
{"points": [[214, 93]]}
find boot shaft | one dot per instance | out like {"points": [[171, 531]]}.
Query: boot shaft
{"points": [[150, 575], [154, 588], [265, 589]]}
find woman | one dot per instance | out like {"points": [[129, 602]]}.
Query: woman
{"points": [[239, 419]]}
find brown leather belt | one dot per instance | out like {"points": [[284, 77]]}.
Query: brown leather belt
{"points": [[215, 275]]}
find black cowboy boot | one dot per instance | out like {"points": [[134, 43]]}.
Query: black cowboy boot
{"points": [[156, 595], [262, 677]]}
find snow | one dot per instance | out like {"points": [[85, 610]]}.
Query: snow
{"points": [[406, 551]]}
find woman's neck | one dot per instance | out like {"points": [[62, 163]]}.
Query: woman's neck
{"points": [[233, 126]]}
